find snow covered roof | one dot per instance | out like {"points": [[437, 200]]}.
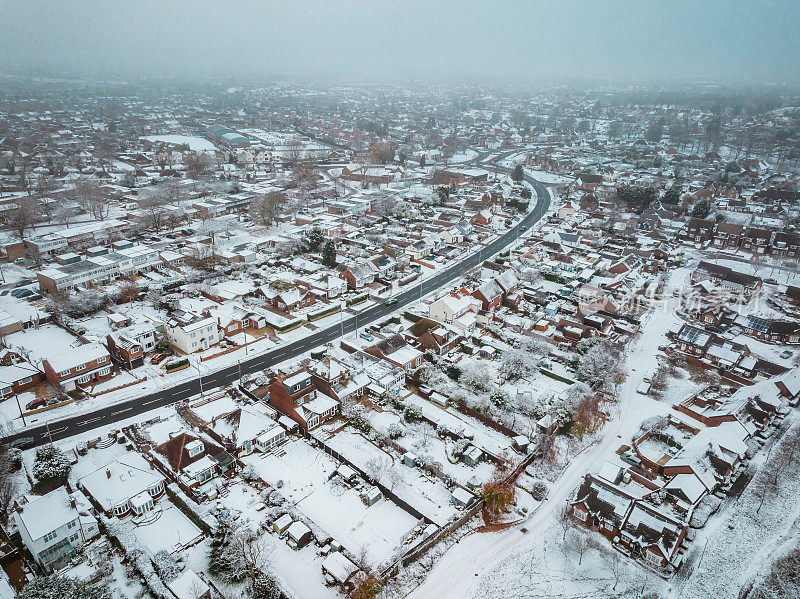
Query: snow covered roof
{"points": [[45, 514], [339, 567], [117, 482], [78, 355], [188, 585]]}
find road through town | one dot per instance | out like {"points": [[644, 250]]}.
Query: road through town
{"points": [[60, 429]]}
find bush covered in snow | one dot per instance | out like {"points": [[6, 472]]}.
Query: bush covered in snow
{"points": [[56, 586], [50, 464]]}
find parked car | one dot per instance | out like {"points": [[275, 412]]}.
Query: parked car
{"points": [[35, 297], [39, 402], [20, 293], [157, 358], [786, 354], [366, 336]]}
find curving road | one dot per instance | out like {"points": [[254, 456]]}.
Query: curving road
{"points": [[74, 425]]}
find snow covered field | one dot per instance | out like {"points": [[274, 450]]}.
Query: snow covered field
{"points": [[197, 144], [302, 475]]}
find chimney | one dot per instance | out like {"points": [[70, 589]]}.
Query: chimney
{"points": [[108, 473], [72, 503]]}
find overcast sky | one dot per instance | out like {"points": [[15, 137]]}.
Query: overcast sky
{"points": [[621, 40]]}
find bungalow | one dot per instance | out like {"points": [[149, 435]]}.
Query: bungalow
{"points": [[127, 485], [396, 351]]}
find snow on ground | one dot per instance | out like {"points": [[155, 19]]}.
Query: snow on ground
{"points": [[737, 540], [170, 530], [548, 178], [461, 157], [427, 494], [472, 566], [304, 474], [196, 144]]}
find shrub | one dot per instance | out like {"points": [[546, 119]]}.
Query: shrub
{"points": [[51, 464]]}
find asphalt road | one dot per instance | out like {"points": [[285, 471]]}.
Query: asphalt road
{"points": [[74, 425]]}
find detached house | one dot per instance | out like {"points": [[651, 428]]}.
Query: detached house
{"points": [[128, 485], [396, 351], [490, 295], [357, 275], [195, 461], [53, 528], [191, 333], [295, 395]]}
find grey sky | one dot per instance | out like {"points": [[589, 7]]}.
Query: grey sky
{"points": [[631, 40]]}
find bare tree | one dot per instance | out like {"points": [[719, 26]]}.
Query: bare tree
{"points": [[615, 567], [580, 542], [564, 519], [153, 207], [265, 209], [23, 216]]}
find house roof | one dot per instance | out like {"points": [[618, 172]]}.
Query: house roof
{"points": [[178, 456], [46, 513], [120, 480]]}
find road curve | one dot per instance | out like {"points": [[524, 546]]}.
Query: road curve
{"points": [[73, 425]]}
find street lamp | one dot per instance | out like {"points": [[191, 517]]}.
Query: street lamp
{"points": [[199, 376]]}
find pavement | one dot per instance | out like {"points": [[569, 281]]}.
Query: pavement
{"points": [[67, 427]]}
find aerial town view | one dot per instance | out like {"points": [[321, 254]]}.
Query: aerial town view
{"points": [[379, 300]]}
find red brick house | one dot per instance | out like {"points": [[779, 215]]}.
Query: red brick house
{"points": [[80, 366], [125, 351], [295, 395], [396, 351], [490, 295], [700, 230], [194, 460], [756, 241], [16, 378]]}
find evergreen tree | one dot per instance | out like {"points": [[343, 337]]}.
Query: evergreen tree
{"points": [[701, 209], [329, 254], [518, 174], [672, 196]]}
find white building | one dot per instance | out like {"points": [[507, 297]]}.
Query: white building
{"points": [[191, 333], [53, 527], [455, 310]]}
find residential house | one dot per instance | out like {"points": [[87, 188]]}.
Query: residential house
{"points": [[395, 350], [83, 365], [16, 378], [294, 394], [125, 351], [128, 485], [194, 460], [190, 333], [53, 528]]}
